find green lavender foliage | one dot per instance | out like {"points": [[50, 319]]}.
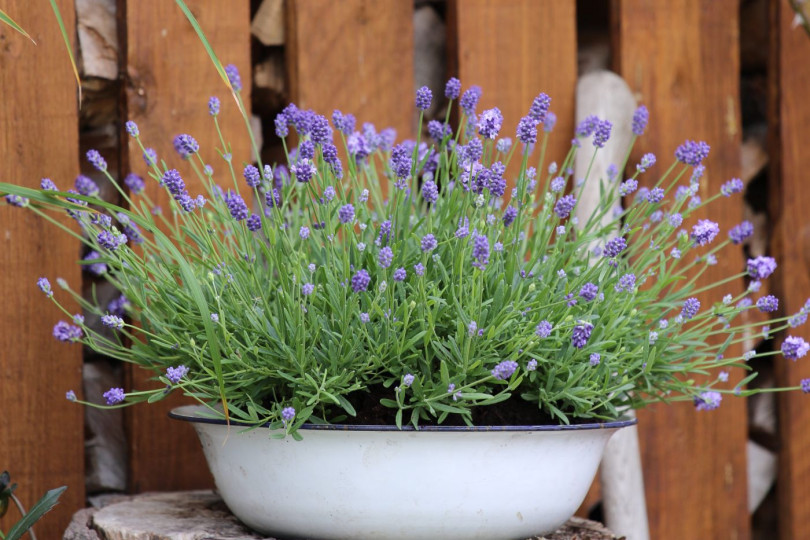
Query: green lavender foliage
{"points": [[274, 347]]}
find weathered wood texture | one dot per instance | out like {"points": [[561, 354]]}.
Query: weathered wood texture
{"points": [[789, 196], [513, 50], [682, 60], [42, 434], [169, 80], [359, 59]]}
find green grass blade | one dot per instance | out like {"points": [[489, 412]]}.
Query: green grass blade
{"points": [[66, 39], [9, 21]]}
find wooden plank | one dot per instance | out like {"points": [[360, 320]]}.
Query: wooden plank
{"points": [[682, 60], [513, 50], [42, 435], [353, 56], [169, 81], [789, 195]]}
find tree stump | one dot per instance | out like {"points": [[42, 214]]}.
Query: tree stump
{"points": [[201, 515]]}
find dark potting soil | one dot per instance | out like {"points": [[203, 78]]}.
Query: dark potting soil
{"points": [[514, 412]]}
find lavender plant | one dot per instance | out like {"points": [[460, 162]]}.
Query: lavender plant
{"points": [[410, 285]]}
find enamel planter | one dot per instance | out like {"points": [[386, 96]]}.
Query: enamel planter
{"points": [[381, 483]]}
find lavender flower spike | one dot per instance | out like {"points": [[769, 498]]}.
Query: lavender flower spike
{"points": [[761, 267], [423, 98], [360, 281], [452, 89], [504, 370], [114, 396], [640, 119], [704, 232], [581, 334], [490, 123], [233, 77], [794, 347], [174, 374], [96, 160], [708, 401], [527, 130]]}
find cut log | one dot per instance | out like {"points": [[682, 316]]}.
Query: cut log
{"points": [[201, 515]]}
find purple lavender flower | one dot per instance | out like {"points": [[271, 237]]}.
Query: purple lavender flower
{"points": [[112, 321], [18, 201], [329, 193], [364, 317], [558, 184], [66, 332], [430, 191], [254, 223], [768, 304], [132, 128], [708, 401], [509, 215], [543, 329], [794, 347], [320, 131], [452, 89], [581, 334], [134, 183], [94, 268], [253, 177], [692, 152], [273, 198], [236, 206], [282, 127], [549, 122], [45, 286], [110, 240], [303, 170], [504, 370], [739, 233], [627, 187], [48, 185], [589, 291], [656, 195], [527, 130], [761, 267], [647, 161], [233, 77], [470, 99], [173, 182], [114, 396], [601, 133], [343, 123], [306, 150], [400, 274], [307, 289], [675, 220], [480, 252], [626, 283], [428, 243], [490, 123], [735, 185], [70, 395], [539, 107], [564, 206], [346, 213], [439, 131], [360, 281], [419, 269], [798, 319], [640, 119], [595, 359], [805, 385], [400, 163], [385, 232], [385, 257], [186, 145], [423, 98], [614, 246], [704, 232], [175, 374], [96, 160], [213, 106], [690, 308], [150, 157]]}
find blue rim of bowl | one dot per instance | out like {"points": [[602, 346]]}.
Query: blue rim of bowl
{"points": [[176, 414]]}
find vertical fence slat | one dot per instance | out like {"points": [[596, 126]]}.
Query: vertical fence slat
{"points": [[42, 435], [682, 59], [513, 50], [789, 196], [354, 56], [169, 80]]}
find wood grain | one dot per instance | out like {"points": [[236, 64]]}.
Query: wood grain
{"points": [[513, 50], [354, 56], [789, 196], [169, 80], [42, 434], [682, 60]]}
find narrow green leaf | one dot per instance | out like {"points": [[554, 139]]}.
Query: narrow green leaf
{"points": [[9, 21], [66, 39], [40, 508]]}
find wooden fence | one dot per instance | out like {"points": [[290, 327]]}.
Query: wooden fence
{"points": [[681, 58]]}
